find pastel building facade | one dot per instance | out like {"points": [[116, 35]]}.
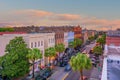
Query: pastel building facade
{"points": [[5, 39], [70, 36], [77, 32], [36, 40], [49, 40], [85, 35], [59, 37], [66, 39]]}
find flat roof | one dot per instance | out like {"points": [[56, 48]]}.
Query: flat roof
{"points": [[111, 63], [112, 50]]}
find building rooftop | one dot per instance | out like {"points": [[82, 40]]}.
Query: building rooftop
{"points": [[1, 33], [113, 33], [111, 63], [113, 50]]}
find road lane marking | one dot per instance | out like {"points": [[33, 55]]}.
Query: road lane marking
{"points": [[65, 76]]}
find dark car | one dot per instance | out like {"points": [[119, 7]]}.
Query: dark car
{"points": [[46, 73], [63, 63], [40, 78], [1, 77], [67, 67]]}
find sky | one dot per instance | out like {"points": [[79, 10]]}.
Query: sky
{"points": [[91, 14]]}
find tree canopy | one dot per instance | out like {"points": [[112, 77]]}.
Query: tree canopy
{"points": [[97, 50], [101, 40], [6, 29], [14, 62], [91, 38], [77, 42], [80, 62], [60, 47], [50, 52], [34, 54]]}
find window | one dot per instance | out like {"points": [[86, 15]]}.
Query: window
{"points": [[49, 41], [42, 51], [35, 44], [38, 43], [53, 40], [41, 43], [31, 44]]}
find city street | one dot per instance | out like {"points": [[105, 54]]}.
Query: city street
{"points": [[92, 74], [60, 74]]}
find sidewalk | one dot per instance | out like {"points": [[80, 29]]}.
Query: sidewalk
{"points": [[96, 72]]}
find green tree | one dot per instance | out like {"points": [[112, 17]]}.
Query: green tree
{"points": [[15, 62], [97, 50], [101, 41], [34, 54], [80, 62], [71, 44], [50, 52], [77, 42], [91, 38], [60, 48], [6, 29], [96, 36]]}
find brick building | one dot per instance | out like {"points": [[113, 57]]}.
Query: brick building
{"points": [[59, 37], [77, 32], [113, 38]]}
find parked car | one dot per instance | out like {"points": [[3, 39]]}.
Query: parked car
{"points": [[40, 78], [46, 73], [1, 77], [63, 64], [67, 67]]}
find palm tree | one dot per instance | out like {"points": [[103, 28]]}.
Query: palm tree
{"points": [[34, 54], [71, 44], [77, 42], [80, 62], [97, 50], [91, 38], [60, 48], [101, 41], [50, 52]]}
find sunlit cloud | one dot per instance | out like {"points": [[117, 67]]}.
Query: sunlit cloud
{"points": [[68, 17], [40, 17], [33, 13]]}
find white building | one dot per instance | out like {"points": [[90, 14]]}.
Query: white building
{"points": [[36, 40], [4, 40], [49, 40], [111, 63], [66, 39]]}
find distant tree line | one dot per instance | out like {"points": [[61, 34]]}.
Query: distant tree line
{"points": [[6, 29]]}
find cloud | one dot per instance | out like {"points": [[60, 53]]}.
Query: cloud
{"points": [[40, 17], [5, 24], [67, 17], [33, 13]]}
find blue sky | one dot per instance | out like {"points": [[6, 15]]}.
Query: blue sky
{"points": [[91, 9]]}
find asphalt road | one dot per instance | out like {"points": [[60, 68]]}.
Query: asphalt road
{"points": [[59, 74]]}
